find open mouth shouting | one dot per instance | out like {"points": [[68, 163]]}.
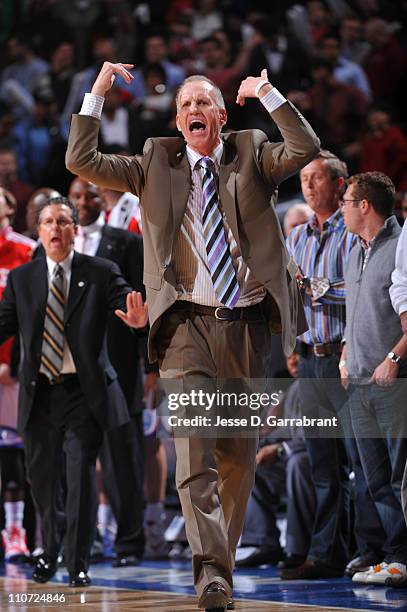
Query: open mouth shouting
{"points": [[197, 126]]}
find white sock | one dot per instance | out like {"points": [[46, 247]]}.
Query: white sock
{"points": [[154, 512], [105, 516], [14, 512]]}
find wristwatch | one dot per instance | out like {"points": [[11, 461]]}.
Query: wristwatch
{"points": [[393, 357], [304, 282]]}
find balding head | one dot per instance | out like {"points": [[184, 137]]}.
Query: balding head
{"points": [[37, 199]]}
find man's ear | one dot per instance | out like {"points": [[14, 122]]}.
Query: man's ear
{"points": [[223, 116], [177, 123]]}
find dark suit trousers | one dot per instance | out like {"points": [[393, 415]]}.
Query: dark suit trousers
{"points": [[122, 458], [62, 436], [214, 474]]}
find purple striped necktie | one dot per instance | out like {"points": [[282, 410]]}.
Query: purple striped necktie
{"points": [[219, 258]]}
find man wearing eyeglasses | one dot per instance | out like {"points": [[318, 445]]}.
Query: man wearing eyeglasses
{"points": [[376, 366], [69, 391], [321, 248]]}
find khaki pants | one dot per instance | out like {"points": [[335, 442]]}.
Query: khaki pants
{"points": [[214, 474]]}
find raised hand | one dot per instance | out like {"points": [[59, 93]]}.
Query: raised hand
{"points": [[137, 312], [248, 86], [107, 75]]}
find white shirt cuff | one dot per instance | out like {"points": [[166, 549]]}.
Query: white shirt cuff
{"points": [[92, 105], [272, 100]]}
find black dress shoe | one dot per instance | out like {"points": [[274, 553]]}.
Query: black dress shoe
{"points": [[291, 561], [44, 569], [311, 570], [231, 605], [79, 579], [363, 562], [260, 556], [126, 561], [214, 598]]}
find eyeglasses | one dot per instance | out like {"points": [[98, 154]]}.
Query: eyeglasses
{"points": [[342, 203], [62, 223]]}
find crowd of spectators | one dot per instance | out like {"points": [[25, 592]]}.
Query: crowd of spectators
{"points": [[341, 62]]}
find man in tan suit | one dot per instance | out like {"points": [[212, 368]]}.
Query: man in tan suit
{"points": [[217, 276]]}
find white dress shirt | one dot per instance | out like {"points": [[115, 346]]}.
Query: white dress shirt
{"points": [[68, 365], [88, 237], [398, 290]]}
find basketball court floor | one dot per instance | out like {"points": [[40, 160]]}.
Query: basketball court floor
{"points": [[167, 587]]}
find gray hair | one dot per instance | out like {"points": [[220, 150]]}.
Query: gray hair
{"points": [[337, 167], [200, 77]]}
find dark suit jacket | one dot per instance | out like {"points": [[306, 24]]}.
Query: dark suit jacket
{"points": [[125, 348], [250, 171], [96, 288]]}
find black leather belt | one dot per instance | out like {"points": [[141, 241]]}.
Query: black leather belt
{"points": [[221, 313], [58, 380], [322, 350]]}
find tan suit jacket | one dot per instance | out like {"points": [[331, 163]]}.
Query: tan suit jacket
{"points": [[250, 171]]}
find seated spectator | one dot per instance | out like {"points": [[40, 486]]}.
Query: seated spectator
{"points": [[10, 180], [354, 46], [338, 109], [22, 76], [226, 75], [153, 111], [182, 47], [206, 18], [345, 71], [62, 73], [103, 50], [297, 214], [385, 64], [384, 148], [42, 143], [155, 51], [287, 67], [283, 468]]}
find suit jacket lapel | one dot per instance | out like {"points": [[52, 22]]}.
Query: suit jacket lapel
{"points": [[227, 187], [79, 283], [106, 246], [180, 188], [39, 294]]}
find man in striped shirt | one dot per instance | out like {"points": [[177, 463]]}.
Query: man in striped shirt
{"points": [[321, 248]]}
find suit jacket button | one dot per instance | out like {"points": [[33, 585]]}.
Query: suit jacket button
{"points": [[164, 265], [33, 383]]}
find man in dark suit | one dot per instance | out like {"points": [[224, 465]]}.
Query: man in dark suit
{"points": [[121, 454], [217, 275], [69, 392]]}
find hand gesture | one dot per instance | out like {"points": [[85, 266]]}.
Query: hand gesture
{"points": [[248, 86], [107, 75], [385, 374], [268, 454], [137, 312], [343, 371]]}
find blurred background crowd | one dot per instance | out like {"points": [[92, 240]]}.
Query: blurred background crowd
{"points": [[341, 62]]}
